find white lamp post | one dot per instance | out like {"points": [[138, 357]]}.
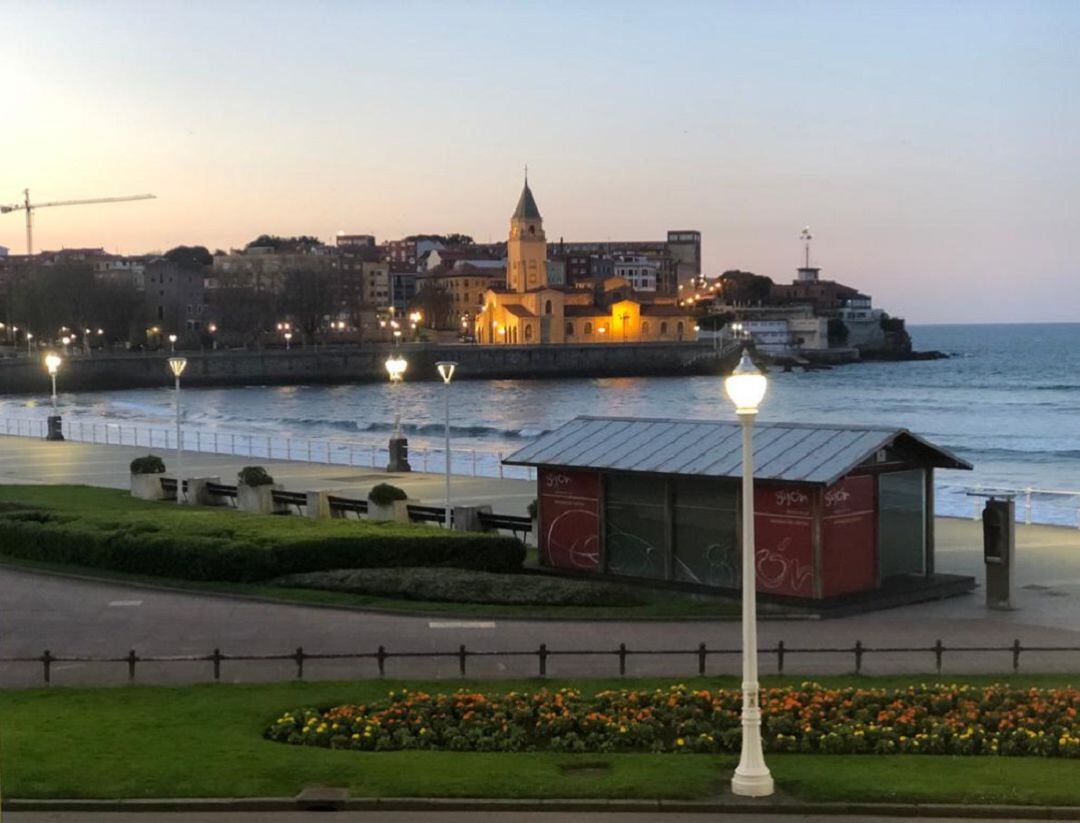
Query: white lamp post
{"points": [[746, 386], [172, 345], [177, 366], [446, 372], [52, 363], [288, 340]]}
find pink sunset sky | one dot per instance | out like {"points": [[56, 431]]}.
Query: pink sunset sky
{"points": [[931, 146]]}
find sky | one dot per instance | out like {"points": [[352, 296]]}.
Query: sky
{"points": [[932, 147]]}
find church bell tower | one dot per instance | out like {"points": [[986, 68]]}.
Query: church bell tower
{"points": [[526, 249]]}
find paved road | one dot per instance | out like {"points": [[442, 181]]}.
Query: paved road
{"points": [[75, 618], [445, 817]]}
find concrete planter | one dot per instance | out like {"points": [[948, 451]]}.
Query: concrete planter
{"points": [[398, 512], [259, 499], [147, 486]]}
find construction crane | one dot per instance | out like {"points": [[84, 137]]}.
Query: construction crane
{"points": [[29, 207]]}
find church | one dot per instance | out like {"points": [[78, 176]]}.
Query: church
{"points": [[532, 310]]}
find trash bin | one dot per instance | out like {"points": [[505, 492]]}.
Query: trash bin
{"points": [[55, 429], [399, 455]]}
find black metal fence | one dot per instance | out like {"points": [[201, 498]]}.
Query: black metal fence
{"points": [[542, 654]]}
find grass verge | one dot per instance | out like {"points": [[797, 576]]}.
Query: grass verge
{"points": [[205, 741]]}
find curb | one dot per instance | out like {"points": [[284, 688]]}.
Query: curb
{"points": [[442, 805]]}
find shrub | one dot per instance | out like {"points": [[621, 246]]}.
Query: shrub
{"points": [[460, 586], [925, 719], [141, 547], [254, 476], [533, 508], [151, 464], [384, 494]]}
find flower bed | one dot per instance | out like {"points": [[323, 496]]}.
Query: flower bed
{"points": [[924, 719]]}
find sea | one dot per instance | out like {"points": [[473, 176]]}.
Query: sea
{"points": [[1007, 400]]}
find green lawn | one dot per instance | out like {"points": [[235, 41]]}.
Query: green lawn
{"points": [[205, 741], [106, 508]]}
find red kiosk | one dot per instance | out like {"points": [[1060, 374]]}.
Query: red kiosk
{"points": [[838, 509]]}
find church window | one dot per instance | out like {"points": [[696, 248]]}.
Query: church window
{"points": [[679, 330], [569, 329], [532, 229], [588, 328], [547, 307], [528, 332], [663, 327], [645, 329]]}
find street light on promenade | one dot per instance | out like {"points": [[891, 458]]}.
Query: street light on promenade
{"points": [[172, 344], [398, 446], [746, 387], [288, 340], [177, 366], [52, 363], [29, 338], [446, 372]]}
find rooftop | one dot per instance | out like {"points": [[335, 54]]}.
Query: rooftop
{"points": [[794, 452]]}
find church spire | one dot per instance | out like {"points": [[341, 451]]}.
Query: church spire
{"points": [[526, 207]]}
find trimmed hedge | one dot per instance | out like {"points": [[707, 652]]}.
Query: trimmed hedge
{"points": [[151, 464], [145, 548], [460, 586], [254, 476]]}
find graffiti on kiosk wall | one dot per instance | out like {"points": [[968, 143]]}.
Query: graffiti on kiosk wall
{"points": [[783, 540], [570, 519]]}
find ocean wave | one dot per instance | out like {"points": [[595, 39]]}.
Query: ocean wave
{"points": [[1035, 455]]}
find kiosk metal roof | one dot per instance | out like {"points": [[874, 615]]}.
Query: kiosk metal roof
{"points": [[795, 452]]}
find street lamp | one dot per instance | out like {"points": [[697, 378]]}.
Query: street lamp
{"points": [[746, 386], [288, 340], [52, 363], [177, 366], [29, 338], [398, 447], [172, 345], [446, 372]]}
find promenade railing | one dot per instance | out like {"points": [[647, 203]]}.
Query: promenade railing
{"points": [[698, 656], [471, 462], [1024, 498]]}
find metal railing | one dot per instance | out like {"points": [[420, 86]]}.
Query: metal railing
{"points": [[621, 655], [335, 451], [1024, 499]]}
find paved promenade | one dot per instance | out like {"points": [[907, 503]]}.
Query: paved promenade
{"points": [[72, 617]]}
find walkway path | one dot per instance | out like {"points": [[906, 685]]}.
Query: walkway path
{"points": [[72, 617]]}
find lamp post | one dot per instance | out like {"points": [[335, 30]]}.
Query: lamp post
{"points": [[29, 338], [52, 363], [54, 430], [399, 446], [288, 340], [172, 344], [446, 372], [746, 386], [177, 366]]}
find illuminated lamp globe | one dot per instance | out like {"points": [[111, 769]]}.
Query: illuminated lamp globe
{"points": [[395, 367], [52, 362], [746, 386], [446, 369], [177, 365]]}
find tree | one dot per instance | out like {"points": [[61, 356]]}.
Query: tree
{"points": [[189, 257], [745, 287], [838, 332], [309, 298], [436, 304], [284, 243]]}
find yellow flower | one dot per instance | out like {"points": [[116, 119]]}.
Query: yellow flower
{"points": [[680, 742]]}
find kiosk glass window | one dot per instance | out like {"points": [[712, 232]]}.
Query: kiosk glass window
{"points": [[706, 543], [902, 523], [635, 527]]}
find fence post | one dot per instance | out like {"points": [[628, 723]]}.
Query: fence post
{"points": [[461, 658], [622, 658], [543, 655], [46, 662], [858, 657], [474, 462], [780, 657], [380, 657], [938, 649], [216, 657], [701, 658], [499, 454], [1027, 506], [299, 657], [1016, 654], [131, 660], [309, 450]]}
